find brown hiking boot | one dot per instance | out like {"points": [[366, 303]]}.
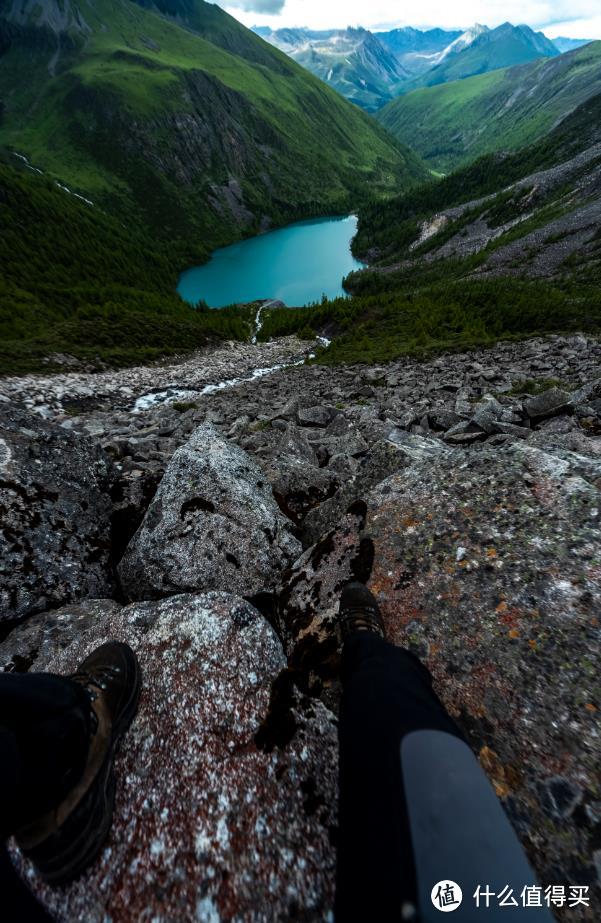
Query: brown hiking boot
{"points": [[359, 611], [67, 839]]}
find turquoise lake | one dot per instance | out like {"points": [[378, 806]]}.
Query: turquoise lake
{"points": [[296, 264]]}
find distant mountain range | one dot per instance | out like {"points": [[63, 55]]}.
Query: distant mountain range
{"points": [[569, 44], [417, 51], [451, 124], [480, 50], [352, 61], [373, 68]]}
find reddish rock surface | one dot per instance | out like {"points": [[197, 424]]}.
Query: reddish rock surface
{"points": [[489, 568], [487, 564], [209, 826]]}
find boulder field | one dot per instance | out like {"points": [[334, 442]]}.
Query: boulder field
{"points": [[214, 536]]}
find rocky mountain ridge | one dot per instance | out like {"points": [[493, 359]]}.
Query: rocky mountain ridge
{"points": [[480, 50], [353, 61], [464, 489], [558, 209], [370, 69], [532, 213], [417, 50]]}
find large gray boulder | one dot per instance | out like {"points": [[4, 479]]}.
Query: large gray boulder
{"points": [[55, 511], [224, 811], [213, 524], [548, 404], [291, 467]]}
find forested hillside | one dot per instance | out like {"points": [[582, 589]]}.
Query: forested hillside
{"points": [[185, 121], [389, 229], [180, 131], [76, 280], [506, 247]]}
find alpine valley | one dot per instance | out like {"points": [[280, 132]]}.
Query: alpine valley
{"points": [[201, 482], [178, 130]]}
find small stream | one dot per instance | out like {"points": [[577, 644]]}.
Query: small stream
{"points": [[173, 395]]}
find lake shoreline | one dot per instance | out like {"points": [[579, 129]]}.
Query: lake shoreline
{"points": [[296, 264]]}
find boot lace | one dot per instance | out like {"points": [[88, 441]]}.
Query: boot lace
{"points": [[94, 682], [361, 618]]}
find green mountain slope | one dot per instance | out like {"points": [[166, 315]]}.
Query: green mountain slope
{"points": [[194, 127], [534, 213], [450, 125], [74, 280], [486, 50]]}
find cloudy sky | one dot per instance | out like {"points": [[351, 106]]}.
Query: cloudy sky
{"points": [[574, 18]]}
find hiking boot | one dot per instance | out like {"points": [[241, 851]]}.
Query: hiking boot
{"points": [[67, 839], [359, 611]]}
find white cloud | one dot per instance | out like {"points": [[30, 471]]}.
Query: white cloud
{"points": [[266, 7], [576, 28], [577, 18]]}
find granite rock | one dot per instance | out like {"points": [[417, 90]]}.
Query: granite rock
{"points": [[215, 817], [212, 524], [387, 455], [307, 604], [35, 641], [316, 416], [487, 565], [548, 404], [55, 509]]}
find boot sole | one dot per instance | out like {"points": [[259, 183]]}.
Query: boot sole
{"points": [[66, 854]]}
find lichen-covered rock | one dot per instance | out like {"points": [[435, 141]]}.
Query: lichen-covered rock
{"points": [[488, 565], [588, 392], [209, 825], [386, 455], [35, 641], [212, 524], [298, 486], [548, 404], [308, 604], [54, 516]]}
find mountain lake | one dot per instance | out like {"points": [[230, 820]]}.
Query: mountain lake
{"points": [[296, 264]]}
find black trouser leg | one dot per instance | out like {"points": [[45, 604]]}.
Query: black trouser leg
{"points": [[44, 735], [387, 693]]}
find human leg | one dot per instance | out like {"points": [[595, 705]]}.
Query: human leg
{"points": [[387, 694]]}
